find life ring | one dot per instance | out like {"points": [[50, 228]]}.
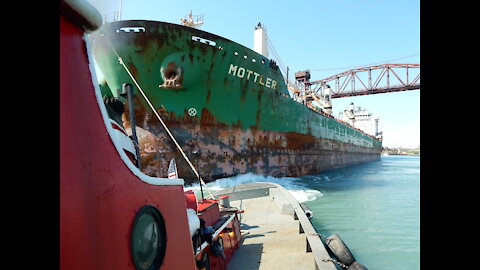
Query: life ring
{"points": [[340, 250], [356, 266]]}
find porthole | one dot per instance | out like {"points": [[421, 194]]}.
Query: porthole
{"points": [[253, 60], [148, 239], [244, 57], [263, 61], [236, 53]]}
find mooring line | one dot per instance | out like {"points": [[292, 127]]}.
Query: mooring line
{"points": [[159, 118]]}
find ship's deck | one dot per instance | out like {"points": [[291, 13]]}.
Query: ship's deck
{"points": [[274, 240]]}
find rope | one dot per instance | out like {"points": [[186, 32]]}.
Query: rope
{"points": [[276, 56], [159, 118], [335, 261]]}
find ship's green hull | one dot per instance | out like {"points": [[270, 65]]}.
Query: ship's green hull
{"points": [[227, 101]]}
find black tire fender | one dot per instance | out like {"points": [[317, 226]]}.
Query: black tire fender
{"points": [[340, 250]]}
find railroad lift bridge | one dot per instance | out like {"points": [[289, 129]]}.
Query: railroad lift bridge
{"points": [[367, 80], [377, 79]]}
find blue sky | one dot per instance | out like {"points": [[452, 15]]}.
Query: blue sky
{"points": [[322, 36]]}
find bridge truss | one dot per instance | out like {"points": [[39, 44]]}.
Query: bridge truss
{"points": [[369, 80]]}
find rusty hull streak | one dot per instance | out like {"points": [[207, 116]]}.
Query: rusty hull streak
{"points": [[221, 154], [220, 146]]}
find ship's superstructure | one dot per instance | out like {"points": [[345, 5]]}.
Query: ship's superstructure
{"points": [[302, 93], [362, 119]]}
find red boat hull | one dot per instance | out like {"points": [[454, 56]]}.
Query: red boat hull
{"points": [[102, 192], [99, 194]]}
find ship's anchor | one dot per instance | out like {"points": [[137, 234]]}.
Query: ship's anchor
{"points": [[172, 76]]}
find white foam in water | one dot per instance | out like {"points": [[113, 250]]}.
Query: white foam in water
{"points": [[305, 195], [298, 191]]}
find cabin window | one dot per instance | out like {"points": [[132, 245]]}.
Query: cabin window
{"points": [[244, 57], [236, 53], [148, 239]]}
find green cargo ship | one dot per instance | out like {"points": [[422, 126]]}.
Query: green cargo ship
{"points": [[228, 106]]}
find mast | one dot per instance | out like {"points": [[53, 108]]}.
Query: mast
{"points": [[120, 11], [260, 42]]}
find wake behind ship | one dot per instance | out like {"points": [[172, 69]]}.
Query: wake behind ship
{"points": [[228, 106]]}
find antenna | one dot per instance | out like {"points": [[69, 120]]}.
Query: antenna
{"points": [[120, 11]]}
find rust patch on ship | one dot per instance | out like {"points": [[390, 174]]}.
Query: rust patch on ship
{"points": [[230, 150]]}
